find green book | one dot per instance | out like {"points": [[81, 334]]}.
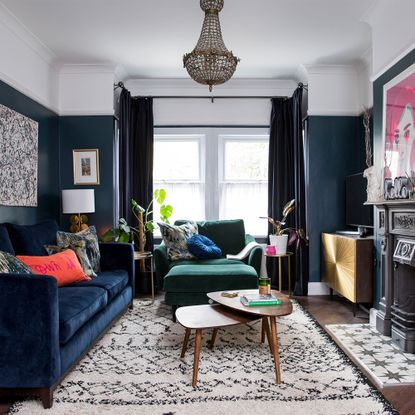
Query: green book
{"points": [[259, 300]]}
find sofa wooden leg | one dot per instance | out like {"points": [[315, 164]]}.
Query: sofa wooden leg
{"points": [[46, 396], [131, 305]]}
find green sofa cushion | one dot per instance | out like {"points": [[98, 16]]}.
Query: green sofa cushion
{"points": [[228, 235], [216, 261], [206, 278]]}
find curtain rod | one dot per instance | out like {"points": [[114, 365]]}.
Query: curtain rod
{"points": [[212, 98]]}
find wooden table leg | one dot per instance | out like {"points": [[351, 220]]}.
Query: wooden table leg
{"points": [[185, 342], [198, 343], [279, 275], [289, 275], [265, 328], [262, 331], [274, 342], [212, 340]]}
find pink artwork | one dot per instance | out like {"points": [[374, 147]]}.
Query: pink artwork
{"points": [[399, 131]]}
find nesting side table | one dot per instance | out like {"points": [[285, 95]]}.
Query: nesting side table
{"points": [[147, 256], [279, 258]]}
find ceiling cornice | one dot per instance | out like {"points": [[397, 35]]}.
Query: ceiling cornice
{"points": [[8, 19]]}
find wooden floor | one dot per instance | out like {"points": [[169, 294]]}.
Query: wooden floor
{"points": [[327, 311]]}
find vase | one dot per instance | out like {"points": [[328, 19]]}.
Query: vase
{"points": [[280, 242]]}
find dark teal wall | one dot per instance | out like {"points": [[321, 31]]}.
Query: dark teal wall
{"points": [[335, 149], [48, 162], [88, 132], [378, 84]]}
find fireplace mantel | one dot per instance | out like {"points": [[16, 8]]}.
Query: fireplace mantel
{"points": [[395, 223]]}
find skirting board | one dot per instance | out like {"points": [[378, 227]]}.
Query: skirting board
{"points": [[318, 288]]}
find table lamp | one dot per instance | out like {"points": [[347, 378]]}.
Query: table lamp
{"points": [[78, 201]]}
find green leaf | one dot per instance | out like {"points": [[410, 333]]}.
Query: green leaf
{"points": [[109, 236], [136, 207], [124, 237], [166, 211], [149, 227], [159, 195]]}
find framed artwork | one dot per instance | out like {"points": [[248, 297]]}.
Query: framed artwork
{"points": [[86, 166], [398, 126], [18, 159]]}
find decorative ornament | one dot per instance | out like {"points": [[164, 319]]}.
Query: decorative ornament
{"points": [[210, 62]]}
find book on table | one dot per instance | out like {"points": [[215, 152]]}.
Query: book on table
{"points": [[259, 300]]}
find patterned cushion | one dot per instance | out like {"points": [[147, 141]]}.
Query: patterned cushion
{"points": [[90, 237], [9, 264], [80, 250], [175, 238]]}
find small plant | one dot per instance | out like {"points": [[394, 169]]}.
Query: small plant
{"points": [[294, 235], [124, 232]]}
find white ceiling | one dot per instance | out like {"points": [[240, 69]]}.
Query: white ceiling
{"points": [[149, 37]]}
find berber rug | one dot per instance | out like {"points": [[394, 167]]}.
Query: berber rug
{"points": [[136, 369]]}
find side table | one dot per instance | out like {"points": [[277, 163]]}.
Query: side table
{"points": [[279, 257], [143, 256]]}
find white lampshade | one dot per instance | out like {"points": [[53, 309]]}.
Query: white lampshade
{"points": [[78, 201]]}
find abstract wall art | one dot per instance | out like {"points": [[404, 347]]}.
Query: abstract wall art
{"points": [[18, 159]]}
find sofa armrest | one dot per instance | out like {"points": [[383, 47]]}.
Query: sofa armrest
{"points": [[255, 256], [162, 264], [29, 331], [116, 255]]}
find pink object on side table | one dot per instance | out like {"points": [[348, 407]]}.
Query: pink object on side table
{"points": [[270, 250]]}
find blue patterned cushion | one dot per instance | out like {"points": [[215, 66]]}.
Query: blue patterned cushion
{"points": [[175, 238], [203, 248], [90, 237], [9, 264]]}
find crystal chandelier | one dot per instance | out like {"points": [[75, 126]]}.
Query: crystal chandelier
{"points": [[210, 63]]}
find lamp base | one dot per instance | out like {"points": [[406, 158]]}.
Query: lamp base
{"points": [[78, 223]]}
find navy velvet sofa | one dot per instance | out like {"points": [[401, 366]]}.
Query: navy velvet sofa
{"points": [[46, 329]]}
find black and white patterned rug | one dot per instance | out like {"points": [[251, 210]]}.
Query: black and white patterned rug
{"points": [[136, 369]]}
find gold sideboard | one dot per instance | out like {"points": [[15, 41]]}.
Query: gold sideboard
{"points": [[347, 266]]}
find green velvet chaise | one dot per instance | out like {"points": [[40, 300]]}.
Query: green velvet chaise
{"points": [[186, 282]]}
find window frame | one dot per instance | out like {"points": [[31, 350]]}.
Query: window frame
{"points": [[212, 157]]}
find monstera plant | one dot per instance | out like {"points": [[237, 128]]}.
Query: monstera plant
{"points": [[124, 232]]}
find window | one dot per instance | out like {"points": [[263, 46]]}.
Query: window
{"points": [[178, 170], [212, 173]]}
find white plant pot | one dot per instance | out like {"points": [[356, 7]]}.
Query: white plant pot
{"points": [[280, 242]]}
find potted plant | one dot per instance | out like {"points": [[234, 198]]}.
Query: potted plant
{"points": [[124, 232], [285, 236]]}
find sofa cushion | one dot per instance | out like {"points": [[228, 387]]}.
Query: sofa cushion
{"points": [[9, 264], [89, 235], [228, 235], [76, 306], [112, 281], [5, 242], [203, 248], [29, 239], [175, 238], [80, 250], [206, 278], [217, 261]]}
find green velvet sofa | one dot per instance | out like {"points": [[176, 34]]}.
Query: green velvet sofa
{"points": [[186, 282]]}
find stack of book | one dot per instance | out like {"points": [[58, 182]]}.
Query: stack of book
{"points": [[259, 300]]}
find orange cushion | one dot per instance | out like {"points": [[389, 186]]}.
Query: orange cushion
{"points": [[64, 266]]}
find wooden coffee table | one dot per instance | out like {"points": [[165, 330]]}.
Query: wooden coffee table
{"points": [[266, 313], [231, 312], [201, 317]]}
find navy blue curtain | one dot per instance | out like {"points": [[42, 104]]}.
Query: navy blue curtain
{"points": [[286, 174]]}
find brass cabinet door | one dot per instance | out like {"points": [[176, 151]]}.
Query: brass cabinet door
{"points": [[338, 265]]}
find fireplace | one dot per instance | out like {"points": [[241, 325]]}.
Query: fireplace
{"points": [[396, 231]]}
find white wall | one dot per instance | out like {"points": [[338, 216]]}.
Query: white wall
{"points": [[393, 32], [26, 64], [86, 90], [233, 112], [333, 90]]}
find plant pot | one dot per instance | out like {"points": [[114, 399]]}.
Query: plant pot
{"points": [[280, 242]]}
